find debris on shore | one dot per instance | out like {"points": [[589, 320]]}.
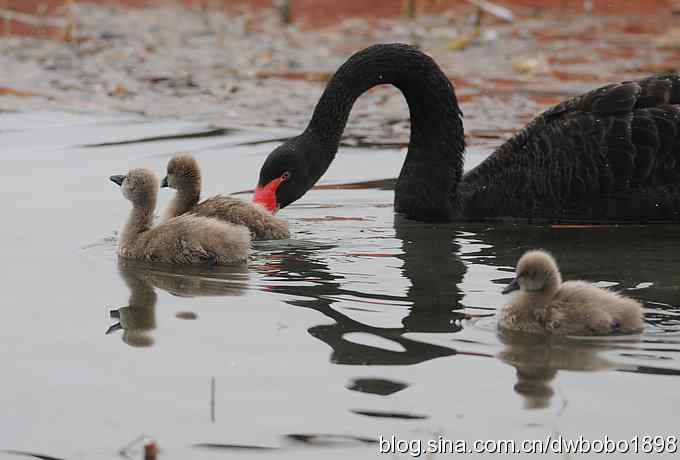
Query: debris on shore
{"points": [[242, 67]]}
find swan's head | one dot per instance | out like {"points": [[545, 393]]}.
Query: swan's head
{"points": [[183, 173], [139, 186], [287, 173], [536, 271]]}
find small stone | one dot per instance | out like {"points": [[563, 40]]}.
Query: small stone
{"points": [[186, 315]]}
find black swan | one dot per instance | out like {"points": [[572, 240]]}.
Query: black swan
{"points": [[610, 155]]}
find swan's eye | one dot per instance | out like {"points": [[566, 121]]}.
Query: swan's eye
{"points": [[285, 176]]}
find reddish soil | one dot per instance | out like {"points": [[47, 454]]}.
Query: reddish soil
{"points": [[317, 13]]}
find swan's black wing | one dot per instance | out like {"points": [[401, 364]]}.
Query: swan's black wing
{"points": [[612, 154]]}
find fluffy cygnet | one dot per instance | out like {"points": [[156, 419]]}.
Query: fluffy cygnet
{"points": [[546, 304], [184, 175], [187, 239]]}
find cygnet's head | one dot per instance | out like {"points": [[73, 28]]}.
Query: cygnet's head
{"points": [[139, 186], [536, 271], [183, 172]]}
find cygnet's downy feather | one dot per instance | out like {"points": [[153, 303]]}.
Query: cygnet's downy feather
{"points": [[184, 175], [187, 239], [546, 304]]}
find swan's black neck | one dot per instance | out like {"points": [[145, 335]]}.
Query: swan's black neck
{"points": [[426, 188]]}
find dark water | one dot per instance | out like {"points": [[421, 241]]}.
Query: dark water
{"points": [[354, 329]]}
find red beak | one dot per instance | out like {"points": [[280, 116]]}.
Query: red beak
{"points": [[266, 196]]}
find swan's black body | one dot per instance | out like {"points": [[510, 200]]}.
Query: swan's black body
{"points": [[612, 154]]}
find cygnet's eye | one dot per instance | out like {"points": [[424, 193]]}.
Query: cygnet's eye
{"points": [[285, 176]]}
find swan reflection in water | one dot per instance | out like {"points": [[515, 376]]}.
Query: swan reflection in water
{"points": [[432, 263], [138, 318], [640, 261]]}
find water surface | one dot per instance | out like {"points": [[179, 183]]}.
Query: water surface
{"points": [[357, 327]]}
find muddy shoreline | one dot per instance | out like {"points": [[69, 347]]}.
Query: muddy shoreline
{"points": [[245, 67]]}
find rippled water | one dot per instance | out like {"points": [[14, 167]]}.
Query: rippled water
{"points": [[362, 325]]}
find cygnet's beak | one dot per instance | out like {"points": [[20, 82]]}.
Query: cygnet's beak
{"points": [[511, 287], [117, 179], [164, 182], [114, 328]]}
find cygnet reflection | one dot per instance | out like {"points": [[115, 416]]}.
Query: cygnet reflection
{"points": [[138, 318], [538, 358]]}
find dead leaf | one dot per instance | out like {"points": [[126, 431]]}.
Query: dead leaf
{"points": [[120, 90], [528, 65], [494, 9], [578, 76], [661, 67], [5, 91], [465, 40], [290, 75], [669, 40]]}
